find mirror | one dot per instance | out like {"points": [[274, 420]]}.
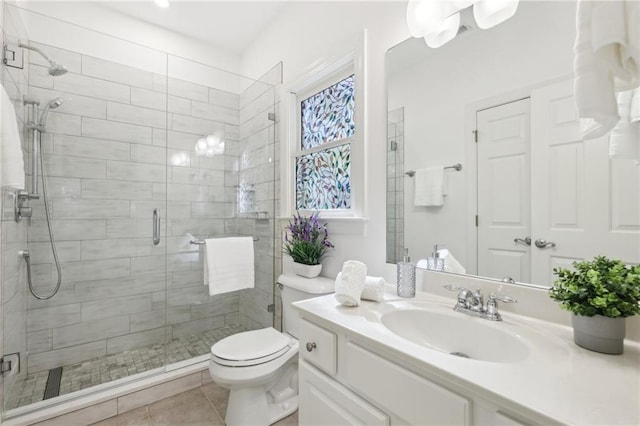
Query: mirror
{"points": [[543, 198]]}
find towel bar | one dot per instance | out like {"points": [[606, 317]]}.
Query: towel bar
{"points": [[457, 167], [201, 242]]}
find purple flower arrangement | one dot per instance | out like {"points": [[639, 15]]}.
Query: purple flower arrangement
{"points": [[307, 240]]}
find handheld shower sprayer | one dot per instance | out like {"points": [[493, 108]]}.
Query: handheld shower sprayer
{"points": [[55, 69], [45, 112]]}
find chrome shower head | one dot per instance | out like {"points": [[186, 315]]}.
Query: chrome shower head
{"points": [[55, 103], [55, 69]]}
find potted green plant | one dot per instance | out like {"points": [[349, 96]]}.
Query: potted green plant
{"points": [[600, 293], [307, 243]]}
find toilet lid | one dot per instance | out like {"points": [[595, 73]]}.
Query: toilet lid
{"points": [[250, 347]]}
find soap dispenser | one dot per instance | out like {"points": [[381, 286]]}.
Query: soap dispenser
{"points": [[406, 276], [435, 262]]}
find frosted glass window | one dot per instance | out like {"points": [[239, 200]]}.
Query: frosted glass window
{"points": [[323, 179], [328, 115]]}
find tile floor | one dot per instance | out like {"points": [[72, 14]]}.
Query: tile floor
{"points": [[205, 405], [116, 366]]}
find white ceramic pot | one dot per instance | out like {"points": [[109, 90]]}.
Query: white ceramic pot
{"points": [[599, 334], [307, 271]]}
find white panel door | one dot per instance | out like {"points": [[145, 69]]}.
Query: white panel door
{"points": [[583, 202], [503, 191]]}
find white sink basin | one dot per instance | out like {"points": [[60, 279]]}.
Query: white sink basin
{"points": [[457, 334]]}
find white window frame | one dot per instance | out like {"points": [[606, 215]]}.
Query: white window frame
{"points": [[320, 76]]}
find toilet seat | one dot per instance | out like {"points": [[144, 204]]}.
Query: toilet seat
{"points": [[250, 348]]}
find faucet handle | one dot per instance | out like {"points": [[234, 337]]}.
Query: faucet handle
{"points": [[506, 299]]}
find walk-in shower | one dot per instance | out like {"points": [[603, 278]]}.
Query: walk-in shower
{"points": [[37, 126], [121, 147]]}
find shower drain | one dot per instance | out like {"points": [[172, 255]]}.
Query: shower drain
{"points": [[460, 354]]}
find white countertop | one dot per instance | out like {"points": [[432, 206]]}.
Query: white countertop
{"points": [[558, 379]]}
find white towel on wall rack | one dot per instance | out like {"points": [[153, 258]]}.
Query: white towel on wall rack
{"points": [[229, 264], [429, 189]]}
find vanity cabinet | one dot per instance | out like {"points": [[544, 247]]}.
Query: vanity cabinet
{"points": [[344, 382]]}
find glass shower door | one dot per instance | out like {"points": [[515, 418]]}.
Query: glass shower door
{"points": [[104, 173]]}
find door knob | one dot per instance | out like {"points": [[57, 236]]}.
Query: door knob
{"points": [[311, 346], [526, 241], [540, 243]]}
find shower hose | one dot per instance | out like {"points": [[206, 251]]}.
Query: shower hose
{"points": [[27, 256]]}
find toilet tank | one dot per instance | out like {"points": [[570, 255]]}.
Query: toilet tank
{"points": [[295, 288]]}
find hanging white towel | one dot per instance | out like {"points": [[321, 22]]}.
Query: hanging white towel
{"points": [[607, 60], [228, 264], [624, 141], [429, 187], [350, 283], [11, 156]]}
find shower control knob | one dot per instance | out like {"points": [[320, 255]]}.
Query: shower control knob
{"points": [[311, 346]]}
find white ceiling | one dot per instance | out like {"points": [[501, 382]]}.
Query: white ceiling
{"points": [[230, 25]]}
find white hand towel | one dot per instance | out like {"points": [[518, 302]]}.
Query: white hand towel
{"points": [[624, 141], [373, 289], [11, 156], [228, 264], [451, 264], [429, 187], [350, 283], [607, 59]]}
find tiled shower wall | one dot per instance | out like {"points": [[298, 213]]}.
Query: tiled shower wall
{"points": [[13, 235], [121, 144], [395, 185]]}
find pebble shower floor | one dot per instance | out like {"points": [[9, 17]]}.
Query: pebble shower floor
{"points": [[105, 369]]}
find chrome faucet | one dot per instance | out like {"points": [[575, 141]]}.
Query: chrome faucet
{"points": [[472, 303]]}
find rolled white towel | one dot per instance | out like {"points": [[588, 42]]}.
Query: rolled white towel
{"points": [[373, 289], [350, 283]]}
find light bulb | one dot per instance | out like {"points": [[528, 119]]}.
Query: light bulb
{"points": [[424, 15], [444, 33], [489, 13]]}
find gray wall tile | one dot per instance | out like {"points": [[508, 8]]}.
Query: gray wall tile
{"points": [[137, 284], [136, 115], [112, 71], [116, 189], [97, 269], [124, 132], [136, 172], [89, 209], [92, 87], [186, 89], [116, 306], [89, 331], [45, 318], [90, 147]]}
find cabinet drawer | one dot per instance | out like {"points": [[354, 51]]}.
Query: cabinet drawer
{"points": [[318, 346], [398, 391]]}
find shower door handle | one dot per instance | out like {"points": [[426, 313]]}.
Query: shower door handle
{"points": [[156, 227]]}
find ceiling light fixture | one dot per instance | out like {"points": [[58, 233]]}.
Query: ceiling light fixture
{"points": [[162, 3], [438, 20]]}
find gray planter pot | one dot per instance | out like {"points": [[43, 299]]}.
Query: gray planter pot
{"points": [[599, 334]]}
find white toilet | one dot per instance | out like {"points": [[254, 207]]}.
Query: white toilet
{"points": [[260, 367]]}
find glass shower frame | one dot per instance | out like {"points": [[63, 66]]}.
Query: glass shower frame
{"points": [[110, 162]]}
